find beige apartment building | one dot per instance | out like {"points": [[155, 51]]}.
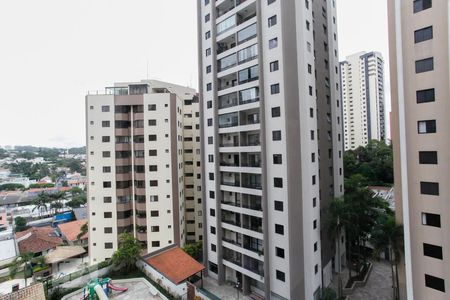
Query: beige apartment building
{"points": [[419, 54], [143, 165]]}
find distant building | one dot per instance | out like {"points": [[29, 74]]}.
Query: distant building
{"points": [[362, 76], [386, 193]]}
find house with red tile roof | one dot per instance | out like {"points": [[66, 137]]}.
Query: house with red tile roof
{"points": [[71, 230], [38, 240]]}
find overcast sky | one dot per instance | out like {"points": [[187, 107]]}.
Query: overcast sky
{"points": [[53, 52]]}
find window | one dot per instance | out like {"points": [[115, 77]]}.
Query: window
{"points": [[213, 230], [272, 21], [278, 205], [312, 135], [270, 2], [315, 247], [277, 159], [108, 245], [210, 140], [210, 158], [314, 202], [106, 169], [246, 34], [106, 139], [208, 86], [153, 182], [211, 176], [206, 2], [208, 69], [424, 65], [108, 229], [154, 228], [211, 194], [209, 104], [435, 283], [273, 43], [276, 135], [420, 5], [249, 74], [154, 198], [316, 269], [432, 251], [153, 168], [315, 224], [274, 66], [152, 122], [106, 124], [278, 182], [279, 252], [152, 152], [431, 219], [106, 184], [424, 96], [213, 267], [281, 276], [155, 243], [275, 89], [429, 188], [428, 157], [276, 112], [152, 107], [105, 108], [154, 213], [208, 52], [107, 215], [213, 248], [207, 35], [279, 229], [207, 18], [152, 137], [423, 34], [107, 199], [428, 126]]}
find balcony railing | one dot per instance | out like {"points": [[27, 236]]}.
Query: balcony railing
{"points": [[229, 183]]}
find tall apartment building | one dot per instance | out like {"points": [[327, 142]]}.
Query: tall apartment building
{"points": [[267, 167], [362, 76], [142, 164], [419, 53]]}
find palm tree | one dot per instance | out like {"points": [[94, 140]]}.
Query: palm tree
{"points": [[24, 259], [127, 253], [83, 231], [57, 199], [388, 236], [41, 202]]}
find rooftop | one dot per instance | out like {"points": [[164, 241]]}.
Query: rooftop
{"points": [[70, 230], [38, 239], [62, 253], [175, 264], [34, 291], [8, 249]]}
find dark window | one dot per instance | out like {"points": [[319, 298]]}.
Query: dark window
{"points": [[424, 96], [273, 43], [211, 176], [272, 21], [106, 139], [278, 205], [278, 182], [210, 140], [207, 18], [429, 188], [315, 247], [212, 212], [279, 229], [107, 199], [275, 89], [213, 248], [106, 154], [108, 245], [211, 194], [153, 182], [106, 184], [152, 107], [276, 135], [270, 2], [213, 230], [152, 137], [105, 108], [208, 86], [210, 122], [314, 202], [420, 5], [108, 229], [206, 2], [155, 244], [152, 152], [274, 66], [428, 126], [208, 52], [423, 34], [424, 65], [431, 220], [153, 168], [107, 215], [435, 283], [279, 252], [154, 213], [207, 35], [209, 104], [281, 276], [213, 267], [106, 169], [428, 157], [277, 159], [106, 123], [276, 112], [432, 251]]}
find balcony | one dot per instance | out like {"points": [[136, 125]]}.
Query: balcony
{"points": [[141, 220], [232, 256], [252, 223], [141, 236], [231, 218]]}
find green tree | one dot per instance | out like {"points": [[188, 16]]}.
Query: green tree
{"points": [[57, 201], [83, 230], [20, 224], [11, 187], [127, 253], [41, 202], [387, 237], [24, 259], [194, 250]]}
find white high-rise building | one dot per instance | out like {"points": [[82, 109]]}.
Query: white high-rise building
{"points": [[143, 166], [272, 143], [362, 77]]}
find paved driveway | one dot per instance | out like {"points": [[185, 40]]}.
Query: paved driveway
{"points": [[379, 284]]}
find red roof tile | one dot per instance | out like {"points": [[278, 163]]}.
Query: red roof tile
{"points": [[175, 264], [38, 239], [71, 230]]}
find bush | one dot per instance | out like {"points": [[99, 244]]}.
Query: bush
{"points": [[41, 185], [11, 187]]}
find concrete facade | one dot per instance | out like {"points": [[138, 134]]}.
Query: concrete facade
{"points": [[419, 54], [136, 166], [261, 186], [362, 76]]}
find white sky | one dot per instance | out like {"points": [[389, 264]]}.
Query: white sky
{"points": [[52, 52]]}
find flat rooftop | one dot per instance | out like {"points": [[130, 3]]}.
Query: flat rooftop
{"points": [[8, 249], [138, 288]]}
